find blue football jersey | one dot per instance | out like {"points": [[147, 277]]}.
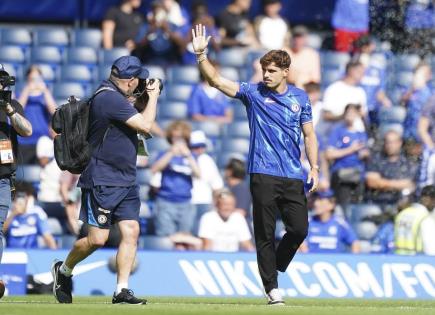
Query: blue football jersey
{"points": [[275, 121]]}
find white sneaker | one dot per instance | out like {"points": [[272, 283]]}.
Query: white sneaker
{"points": [[274, 297]]}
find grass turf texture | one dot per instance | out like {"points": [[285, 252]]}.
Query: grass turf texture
{"points": [[45, 305]]}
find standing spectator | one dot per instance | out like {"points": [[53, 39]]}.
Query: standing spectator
{"points": [[235, 175], [271, 28], [174, 211], [39, 105], [415, 99], [350, 21], [235, 28], [347, 150], [25, 223], [176, 14], [210, 180], [389, 174], [426, 131], [207, 103], [225, 229], [343, 92], [305, 61], [121, 25], [414, 227], [328, 233]]}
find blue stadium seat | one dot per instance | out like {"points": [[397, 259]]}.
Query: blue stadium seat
{"points": [[157, 144], [46, 54], [48, 73], [211, 129], [365, 247], [104, 71], [87, 37], [239, 110], [66, 89], [366, 230], [14, 70], [359, 212], [156, 72], [225, 157], [384, 128], [407, 62], [232, 57], [395, 114], [54, 226], [76, 73], [28, 173], [51, 37], [172, 110], [108, 56], [379, 60], [143, 176], [331, 75], [334, 60], [235, 145], [12, 54], [16, 36], [183, 74], [82, 55], [396, 95], [155, 243], [178, 92], [230, 73], [404, 78], [238, 130], [314, 41], [144, 192]]}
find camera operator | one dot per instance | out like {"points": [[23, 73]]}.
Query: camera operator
{"points": [[12, 122], [110, 194]]}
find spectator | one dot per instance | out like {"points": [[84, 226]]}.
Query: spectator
{"points": [[176, 14], [350, 21], [347, 150], [121, 25], [225, 229], [235, 28], [235, 173], [314, 94], [271, 28], [420, 25], [416, 98], [426, 132], [173, 209], [39, 105], [414, 227], [383, 241], [328, 233], [159, 41], [210, 180], [206, 103], [389, 174], [71, 196], [343, 92], [27, 221], [305, 66]]}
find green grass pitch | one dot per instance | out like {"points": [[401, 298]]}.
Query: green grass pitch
{"points": [[45, 305]]}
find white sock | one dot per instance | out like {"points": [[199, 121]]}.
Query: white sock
{"points": [[65, 270], [120, 286]]}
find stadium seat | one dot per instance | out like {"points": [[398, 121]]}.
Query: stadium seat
{"points": [[404, 78], [14, 70], [108, 56], [178, 92], [238, 130], [235, 145], [104, 72], [394, 114], [155, 243], [144, 192], [407, 62], [12, 54], [183, 75], [239, 110], [232, 57], [67, 241], [366, 230], [172, 110], [157, 144], [384, 128], [82, 55], [334, 60], [230, 73], [156, 72], [16, 36], [54, 226], [65, 89], [331, 75], [359, 212], [379, 60], [76, 73], [225, 157], [396, 95], [87, 37], [46, 54], [314, 41], [143, 176], [51, 37], [28, 173], [48, 73], [211, 129], [365, 246]]}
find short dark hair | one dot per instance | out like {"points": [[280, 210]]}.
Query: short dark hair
{"points": [[311, 87], [352, 64], [281, 58], [237, 168], [428, 192], [352, 106], [24, 187]]}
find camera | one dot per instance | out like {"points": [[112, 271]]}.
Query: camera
{"points": [[5, 81]]}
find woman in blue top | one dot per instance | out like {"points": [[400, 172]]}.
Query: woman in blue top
{"points": [[39, 105]]}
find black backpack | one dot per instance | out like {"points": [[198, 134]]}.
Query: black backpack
{"points": [[71, 123]]}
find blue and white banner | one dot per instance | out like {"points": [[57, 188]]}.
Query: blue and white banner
{"points": [[221, 275]]}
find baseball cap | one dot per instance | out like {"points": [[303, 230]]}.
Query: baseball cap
{"points": [[127, 67], [198, 139], [329, 193]]}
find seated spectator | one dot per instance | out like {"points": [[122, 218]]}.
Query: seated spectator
{"points": [[328, 233], [426, 132], [305, 66], [343, 92], [121, 25], [27, 221], [206, 103], [383, 241], [225, 230], [350, 21], [415, 99], [173, 209], [414, 227], [346, 151], [390, 176], [210, 180], [235, 174], [235, 28], [39, 105], [271, 28]]}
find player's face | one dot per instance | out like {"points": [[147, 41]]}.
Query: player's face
{"points": [[273, 76]]}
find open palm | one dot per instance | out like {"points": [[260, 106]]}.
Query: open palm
{"points": [[199, 39]]}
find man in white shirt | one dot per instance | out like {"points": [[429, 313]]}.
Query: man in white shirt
{"points": [[343, 92], [225, 229]]}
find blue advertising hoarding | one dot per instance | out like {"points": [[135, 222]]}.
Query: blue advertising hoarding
{"points": [[230, 275]]}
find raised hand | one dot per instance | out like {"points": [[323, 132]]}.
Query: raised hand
{"points": [[199, 39]]}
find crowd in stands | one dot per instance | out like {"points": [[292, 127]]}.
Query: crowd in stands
{"points": [[373, 112]]}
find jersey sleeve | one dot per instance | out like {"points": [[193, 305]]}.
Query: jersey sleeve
{"points": [[111, 14], [348, 235], [306, 111], [117, 107], [42, 224], [244, 92]]}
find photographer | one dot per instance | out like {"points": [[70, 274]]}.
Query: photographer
{"points": [[12, 122], [110, 194]]}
